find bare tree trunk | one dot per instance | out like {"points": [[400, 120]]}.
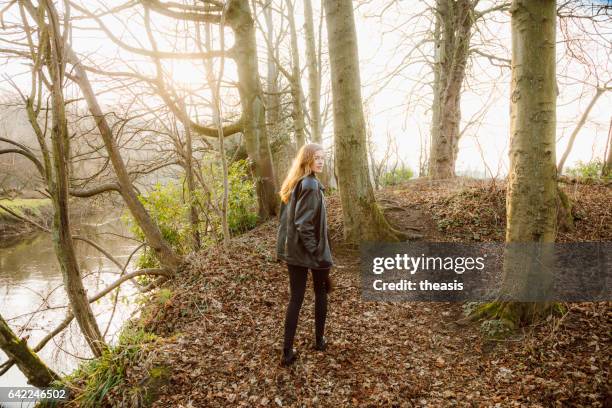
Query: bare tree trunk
{"points": [[579, 125], [314, 84], [51, 46], [194, 217], [36, 372], [284, 148], [313, 64], [215, 86], [363, 219], [296, 80], [606, 169], [251, 97], [531, 202], [454, 20], [532, 177], [62, 235], [164, 253], [272, 98], [439, 55]]}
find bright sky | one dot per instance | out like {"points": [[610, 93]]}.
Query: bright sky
{"points": [[390, 113], [401, 110]]}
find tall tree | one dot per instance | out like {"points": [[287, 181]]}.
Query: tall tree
{"points": [[453, 24], [532, 185], [295, 79], [313, 65], [273, 101], [606, 169], [531, 201], [314, 73], [52, 45], [283, 146], [363, 219], [215, 86], [239, 18]]}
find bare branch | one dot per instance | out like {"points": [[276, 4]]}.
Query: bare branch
{"points": [[149, 53], [95, 190], [191, 13], [505, 63]]}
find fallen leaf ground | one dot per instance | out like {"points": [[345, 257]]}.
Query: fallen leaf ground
{"points": [[223, 325]]}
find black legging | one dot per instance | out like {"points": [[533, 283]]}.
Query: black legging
{"points": [[298, 276]]}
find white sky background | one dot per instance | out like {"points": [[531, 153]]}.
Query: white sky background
{"points": [[401, 109]]}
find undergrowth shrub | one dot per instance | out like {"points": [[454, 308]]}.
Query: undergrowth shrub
{"points": [[397, 176], [99, 382], [167, 206], [242, 200], [587, 171]]}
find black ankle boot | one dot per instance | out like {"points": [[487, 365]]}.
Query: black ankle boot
{"points": [[289, 357], [321, 344]]}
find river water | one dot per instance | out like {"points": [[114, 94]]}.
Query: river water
{"points": [[31, 281]]}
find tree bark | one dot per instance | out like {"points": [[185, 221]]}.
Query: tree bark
{"points": [[531, 201], [215, 86], [36, 372], [251, 97], [606, 169], [313, 64], [194, 216], [454, 20], [62, 235], [296, 80], [532, 177], [363, 219], [273, 97], [283, 148], [314, 85]]}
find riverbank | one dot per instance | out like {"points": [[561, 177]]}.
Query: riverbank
{"points": [[12, 228], [215, 331], [33, 300]]}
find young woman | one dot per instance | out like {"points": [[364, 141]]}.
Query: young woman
{"points": [[303, 243]]}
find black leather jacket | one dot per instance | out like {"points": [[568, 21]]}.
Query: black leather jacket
{"points": [[302, 234]]}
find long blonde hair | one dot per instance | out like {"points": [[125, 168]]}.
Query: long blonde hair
{"points": [[300, 167]]}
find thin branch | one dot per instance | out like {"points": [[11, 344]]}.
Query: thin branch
{"points": [[149, 53], [95, 190]]}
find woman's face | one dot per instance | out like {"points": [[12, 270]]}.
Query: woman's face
{"points": [[319, 161]]}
